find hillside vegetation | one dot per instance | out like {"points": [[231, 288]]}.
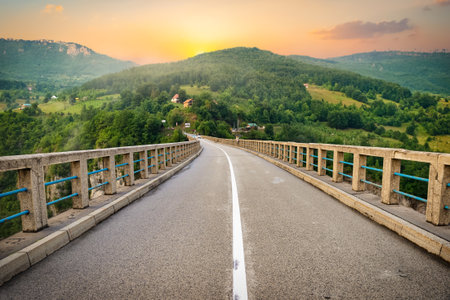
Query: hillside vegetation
{"points": [[49, 64], [415, 70]]}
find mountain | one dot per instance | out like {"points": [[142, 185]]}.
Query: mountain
{"points": [[419, 71], [54, 64], [248, 72]]}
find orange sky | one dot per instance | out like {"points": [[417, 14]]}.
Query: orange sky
{"points": [[160, 31]]}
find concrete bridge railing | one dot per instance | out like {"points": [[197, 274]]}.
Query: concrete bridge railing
{"points": [[142, 160], [329, 158]]}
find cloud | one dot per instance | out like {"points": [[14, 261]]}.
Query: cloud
{"points": [[361, 30], [442, 2], [52, 8]]}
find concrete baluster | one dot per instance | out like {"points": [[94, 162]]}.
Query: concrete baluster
{"points": [[143, 164], [154, 161], [110, 174], [309, 159], [338, 167], [390, 181], [438, 192], [33, 199], [162, 158], [80, 184], [169, 156], [129, 169], [321, 163], [359, 173]]}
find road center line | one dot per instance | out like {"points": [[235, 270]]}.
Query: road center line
{"points": [[239, 276]]}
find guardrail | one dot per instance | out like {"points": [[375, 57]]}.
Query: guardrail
{"points": [[31, 186], [329, 158]]}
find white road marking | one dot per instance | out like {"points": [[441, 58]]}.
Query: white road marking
{"points": [[239, 276]]}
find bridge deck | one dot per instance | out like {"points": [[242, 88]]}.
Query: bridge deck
{"points": [[176, 242]]}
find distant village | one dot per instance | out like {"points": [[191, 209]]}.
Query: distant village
{"points": [[187, 103]]}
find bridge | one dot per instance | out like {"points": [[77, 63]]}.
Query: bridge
{"points": [[237, 219]]}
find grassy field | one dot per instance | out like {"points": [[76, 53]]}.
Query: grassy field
{"points": [[65, 107], [319, 93], [195, 90]]}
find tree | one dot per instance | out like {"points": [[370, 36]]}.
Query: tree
{"points": [[268, 130], [175, 117]]}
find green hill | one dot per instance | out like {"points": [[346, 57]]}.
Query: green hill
{"points": [[415, 70], [249, 72], [54, 64]]}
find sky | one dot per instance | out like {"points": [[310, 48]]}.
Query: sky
{"points": [[150, 31]]}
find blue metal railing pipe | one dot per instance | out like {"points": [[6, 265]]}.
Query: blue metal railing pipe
{"points": [[13, 192], [343, 174], [412, 177], [346, 162], [97, 186], [371, 183], [371, 168], [98, 171], [123, 176], [61, 199], [60, 180], [25, 212], [121, 165], [410, 196]]}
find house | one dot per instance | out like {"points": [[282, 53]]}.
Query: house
{"points": [[54, 97], [251, 125], [306, 85], [25, 105], [175, 99], [188, 102]]}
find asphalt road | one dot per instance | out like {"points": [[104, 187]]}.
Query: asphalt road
{"points": [[176, 243]]}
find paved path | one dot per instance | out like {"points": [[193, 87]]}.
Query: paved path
{"points": [[177, 241]]}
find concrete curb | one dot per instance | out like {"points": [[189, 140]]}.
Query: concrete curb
{"points": [[28, 256], [417, 235]]}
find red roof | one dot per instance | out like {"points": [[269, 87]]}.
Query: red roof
{"points": [[176, 96]]}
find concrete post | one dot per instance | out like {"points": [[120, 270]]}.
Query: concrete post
{"points": [[33, 199], [162, 157], [177, 153], [80, 184], [169, 156], [359, 173], [143, 164], [390, 181], [154, 161], [439, 193], [309, 159], [285, 152], [173, 154], [109, 175], [321, 163], [129, 169], [338, 167], [291, 153]]}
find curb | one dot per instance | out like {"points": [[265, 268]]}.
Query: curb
{"points": [[23, 259], [411, 232]]}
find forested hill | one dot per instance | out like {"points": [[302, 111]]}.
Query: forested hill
{"points": [[247, 72], [54, 64], [416, 70]]}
